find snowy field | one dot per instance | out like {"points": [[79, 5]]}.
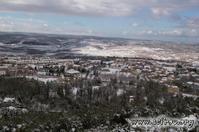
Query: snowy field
{"points": [[95, 48]]}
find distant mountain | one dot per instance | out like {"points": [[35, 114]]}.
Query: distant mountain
{"points": [[67, 45]]}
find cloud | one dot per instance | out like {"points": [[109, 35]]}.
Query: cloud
{"points": [[23, 25], [144, 33], [98, 7], [193, 23], [188, 27], [68, 7], [173, 32], [157, 11], [37, 26], [176, 32], [172, 8], [134, 24]]}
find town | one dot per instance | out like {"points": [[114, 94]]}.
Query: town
{"points": [[99, 65], [135, 86]]}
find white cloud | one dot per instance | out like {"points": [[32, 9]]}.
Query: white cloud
{"points": [[45, 25], [146, 32], [135, 24], [98, 7], [173, 32], [24, 25], [125, 32], [37, 26], [193, 23], [77, 7], [161, 11], [176, 32]]}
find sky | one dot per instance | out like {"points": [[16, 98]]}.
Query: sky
{"points": [[176, 20]]}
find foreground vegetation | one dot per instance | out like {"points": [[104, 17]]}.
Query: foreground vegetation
{"points": [[53, 106]]}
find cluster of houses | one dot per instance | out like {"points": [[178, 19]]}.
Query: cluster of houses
{"points": [[122, 69], [177, 77]]}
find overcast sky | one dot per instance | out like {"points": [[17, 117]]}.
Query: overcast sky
{"points": [[147, 19]]}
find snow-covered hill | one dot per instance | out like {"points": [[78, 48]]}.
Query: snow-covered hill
{"points": [[68, 45]]}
